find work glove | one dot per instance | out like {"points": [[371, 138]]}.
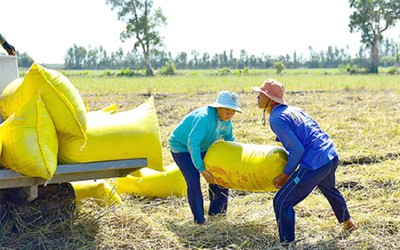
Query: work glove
{"points": [[9, 48]]}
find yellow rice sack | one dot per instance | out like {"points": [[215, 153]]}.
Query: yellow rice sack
{"points": [[113, 136], [1, 143], [151, 183], [62, 99], [30, 142], [100, 190], [245, 166]]}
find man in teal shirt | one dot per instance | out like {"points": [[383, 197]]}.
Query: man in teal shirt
{"points": [[189, 143]]}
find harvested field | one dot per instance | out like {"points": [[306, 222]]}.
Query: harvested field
{"points": [[362, 119]]}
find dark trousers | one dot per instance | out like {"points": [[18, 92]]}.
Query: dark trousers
{"points": [[298, 187], [218, 195]]}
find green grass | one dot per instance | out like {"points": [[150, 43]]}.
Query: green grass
{"points": [[204, 82], [360, 112]]}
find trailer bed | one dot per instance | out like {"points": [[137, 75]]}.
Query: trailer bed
{"points": [[71, 172]]}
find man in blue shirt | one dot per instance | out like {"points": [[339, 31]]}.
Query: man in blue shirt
{"points": [[312, 160], [189, 143]]}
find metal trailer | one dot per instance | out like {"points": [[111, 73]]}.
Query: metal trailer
{"points": [[68, 173]]}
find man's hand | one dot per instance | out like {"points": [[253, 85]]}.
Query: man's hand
{"points": [[208, 176], [280, 180], [9, 48]]}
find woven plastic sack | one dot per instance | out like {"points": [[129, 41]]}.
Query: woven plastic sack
{"points": [[30, 142], [62, 99], [100, 190], [115, 136], [247, 167], [151, 183]]}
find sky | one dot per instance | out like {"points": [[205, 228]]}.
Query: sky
{"points": [[46, 29]]}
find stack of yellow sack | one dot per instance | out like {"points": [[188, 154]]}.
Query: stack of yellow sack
{"points": [[37, 108], [46, 122]]}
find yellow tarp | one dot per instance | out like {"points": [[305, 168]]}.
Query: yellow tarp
{"points": [[245, 166]]}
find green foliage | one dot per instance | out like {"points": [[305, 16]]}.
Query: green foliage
{"points": [[168, 69], [75, 57], [372, 18], [24, 60], [81, 73], [227, 71], [100, 59], [108, 73], [240, 72], [279, 67], [126, 72], [142, 23], [386, 61], [223, 72], [392, 70], [352, 69]]}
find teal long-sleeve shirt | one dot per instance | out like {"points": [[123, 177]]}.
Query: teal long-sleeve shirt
{"points": [[197, 132]]}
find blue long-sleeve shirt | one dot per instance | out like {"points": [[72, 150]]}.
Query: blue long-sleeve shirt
{"points": [[198, 131], [307, 144]]}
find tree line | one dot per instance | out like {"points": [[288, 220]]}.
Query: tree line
{"points": [[79, 57]]}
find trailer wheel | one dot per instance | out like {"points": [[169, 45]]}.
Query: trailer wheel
{"points": [[55, 204]]}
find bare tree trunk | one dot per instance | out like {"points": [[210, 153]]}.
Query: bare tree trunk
{"points": [[396, 63], [149, 68], [375, 56]]}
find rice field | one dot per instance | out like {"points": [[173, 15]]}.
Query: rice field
{"points": [[361, 113]]}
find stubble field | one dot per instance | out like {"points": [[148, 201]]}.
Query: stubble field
{"points": [[361, 114]]}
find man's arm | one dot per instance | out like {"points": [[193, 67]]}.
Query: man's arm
{"points": [[8, 47]]}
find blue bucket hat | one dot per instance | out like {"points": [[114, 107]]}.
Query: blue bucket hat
{"points": [[227, 99]]}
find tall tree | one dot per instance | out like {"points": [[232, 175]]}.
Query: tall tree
{"points": [[24, 60], [141, 23], [372, 18], [75, 57]]}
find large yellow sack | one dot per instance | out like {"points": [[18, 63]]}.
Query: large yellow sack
{"points": [[1, 143], [245, 166], [30, 142], [62, 99], [100, 190], [113, 136], [151, 183]]}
